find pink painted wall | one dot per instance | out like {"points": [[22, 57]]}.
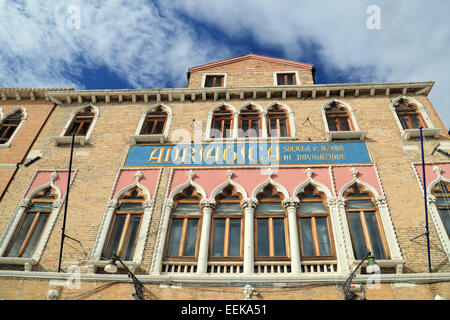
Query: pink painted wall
{"points": [[430, 175], [149, 180], [43, 177], [342, 176], [250, 178]]}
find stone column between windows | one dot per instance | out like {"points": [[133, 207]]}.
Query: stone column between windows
{"points": [[249, 206], [291, 205], [207, 208]]}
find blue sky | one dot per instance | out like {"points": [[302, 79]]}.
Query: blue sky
{"points": [[151, 44]]}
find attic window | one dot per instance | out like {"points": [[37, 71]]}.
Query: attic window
{"points": [[214, 81], [284, 79]]}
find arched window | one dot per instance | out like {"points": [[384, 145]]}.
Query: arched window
{"points": [[441, 192], [29, 231], [250, 122], [154, 122], [222, 123], [9, 125], [364, 223], [183, 233], [227, 226], [314, 225], [338, 118], [125, 226], [271, 236], [277, 122], [81, 122], [408, 115]]}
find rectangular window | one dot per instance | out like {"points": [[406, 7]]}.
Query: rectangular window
{"points": [[214, 81], [286, 79]]}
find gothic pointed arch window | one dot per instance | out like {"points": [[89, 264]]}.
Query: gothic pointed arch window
{"points": [[442, 193], [364, 222], [222, 123], [81, 122], [183, 239], [123, 235], [250, 122], [408, 115], [9, 125], [316, 239], [271, 226], [277, 122], [28, 233], [338, 118], [227, 226], [155, 121]]}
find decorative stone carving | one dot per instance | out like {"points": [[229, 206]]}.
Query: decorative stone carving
{"points": [[23, 203], [354, 173], [291, 202], [138, 176], [249, 203], [309, 172], [190, 174], [249, 291], [208, 204], [148, 204]]}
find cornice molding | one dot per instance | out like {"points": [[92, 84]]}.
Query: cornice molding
{"points": [[316, 91]]}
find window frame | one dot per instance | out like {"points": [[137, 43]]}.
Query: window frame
{"points": [[185, 219], [4, 117], [155, 119], [361, 211], [313, 216], [337, 115], [252, 117], [32, 227], [428, 129], [296, 75], [355, 133], [222, 75], [278, 116], [271, 257], [63, 139], [227, 218], [140, 137], [81, 120], [223, 130], [439, 207], [126, 229]]}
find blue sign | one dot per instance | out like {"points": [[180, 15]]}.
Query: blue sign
{"points": [[248, 154]]}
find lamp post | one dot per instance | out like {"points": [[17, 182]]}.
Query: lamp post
{"points": [[371, 267], [111, 267]]}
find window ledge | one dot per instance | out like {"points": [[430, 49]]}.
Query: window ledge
{"points": [[415, 133], [28, 263], [62, 140], [256, 139], [5, 145], [132, 265], [388, 263], [336, 135], [148, 138]]}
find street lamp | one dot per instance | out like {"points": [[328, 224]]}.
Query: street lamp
{"points": [[111, 267], [371, 268]]}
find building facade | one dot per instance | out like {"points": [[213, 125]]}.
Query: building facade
{"points": [[251, 182]]}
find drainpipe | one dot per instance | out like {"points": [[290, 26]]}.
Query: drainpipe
{"points": [[427, 233]]}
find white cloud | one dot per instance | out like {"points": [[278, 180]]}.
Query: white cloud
{"points": [[150, 44], [413, 43], [144, 44]]}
